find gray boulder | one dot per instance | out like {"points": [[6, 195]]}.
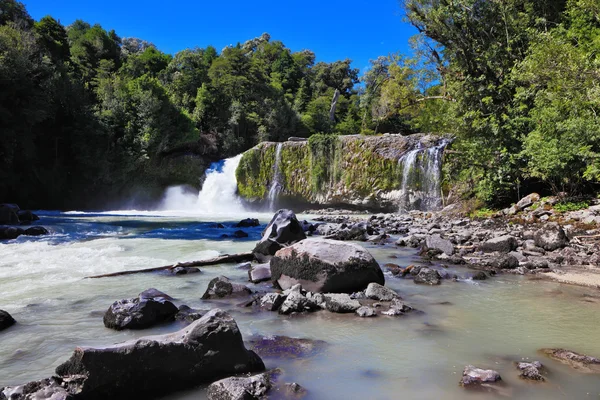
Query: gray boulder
{"points": [[206, 350], [6, 320], [260, 273], [551, 237], [240, 388], [366, 312], [428, 276], [527, 201], [222, 287], [530, 371], [376, 291], [325, 266], [283, 230], [150, 308], [436, 242], [574, 360], [505, 262], [341, 303], [476, 376], [501, 244], [272, 301], [296, 302]]}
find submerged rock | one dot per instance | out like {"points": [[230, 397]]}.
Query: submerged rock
{"points": [[325, 266], [366, 311], [476, 376], [283, 230], [150, 308], [222, 287], [6, 320], [206, 350], [286, 347], [530, 371], [574, 360], [247, 223]]}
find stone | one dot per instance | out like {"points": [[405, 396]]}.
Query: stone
{"points": [[294, 391], [6, 320], [189, 315], [296, 302], [240, 234], [272, 301], [141, 312], [259, 273], [501, 244], [436, 242], [574, 360], [286, 347], [428, 276], [36, 231], [240, 388], [476, 376], [366, 311], [208, 349], [8, 214], [221, 287], [505, 262], [551, 237], [527, 201], [340, 303], [53, 388], [247, 223], [283, 230], [479, 276], [530, 371], [11, 232], [26, 216], [184, 270], [325, 266], [359, 231], [376, 291]]}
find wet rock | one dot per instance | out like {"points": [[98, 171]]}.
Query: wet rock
{"points": [[9, 214], [393, 268], [53, 388], [436, 242], [36, 231], [574, 360], [325, 266], [155, 294], [340, 303], [188, 314], [530, 371], [428, 276], [366, 311], [376, 291], [141, 312], [283, 230], [217, 226], [296, 302], [286, 347], [10, 232], [222, 287], [240, 388], [240, 234], [184, 270], [476, 376], [479, 276], [551, 237], [260, 273], [294, 391], [501, 244], [247, 223], [26, 216], [272, 301], [208, 349], [6, 320], [359, 231], [410, 241], [505, 262]]}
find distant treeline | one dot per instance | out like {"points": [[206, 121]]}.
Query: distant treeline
{"points": [[87, 116]]}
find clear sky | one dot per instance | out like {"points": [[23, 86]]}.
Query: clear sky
{"points": [[334, 29]]}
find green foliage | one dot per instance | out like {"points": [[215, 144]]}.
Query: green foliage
{"points": [[482, 213], [566, 206]]}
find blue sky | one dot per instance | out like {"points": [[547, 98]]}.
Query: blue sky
{"points": [[333, 29]]}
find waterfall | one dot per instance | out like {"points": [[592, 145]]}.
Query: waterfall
{"points": [[421, 177], [276, 184], [218, 194]]}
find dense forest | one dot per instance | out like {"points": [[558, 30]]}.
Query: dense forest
{"points": [[88, 117]]}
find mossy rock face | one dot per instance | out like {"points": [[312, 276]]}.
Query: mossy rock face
{"points": [[359, 171]]}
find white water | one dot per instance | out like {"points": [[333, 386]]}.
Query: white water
{"points": [[276, 184], [217, 197], [421, 177]]}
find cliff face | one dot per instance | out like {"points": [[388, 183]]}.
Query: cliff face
{"points": [[360, 171]]}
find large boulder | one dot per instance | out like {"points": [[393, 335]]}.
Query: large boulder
{"points": [[221, 287], [6, 320], [379, 292], [11, 232], [551, 237], [428, 276], [436, 242], [527, 201], [26, 216], [283, 230], [208, 349], [150, 308], [9, 214], [325, 266], [502, 244]]}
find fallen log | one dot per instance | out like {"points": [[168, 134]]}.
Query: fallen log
{"points": [[224, 259]]}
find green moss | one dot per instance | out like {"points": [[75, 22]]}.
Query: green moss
{"points": [[255, 171], [565, 206]]}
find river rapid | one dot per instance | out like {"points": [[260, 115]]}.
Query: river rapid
{"points": [[489, 323]]}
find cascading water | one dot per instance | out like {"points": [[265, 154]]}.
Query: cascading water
{"points": [[421, 176], [276, 184]]}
